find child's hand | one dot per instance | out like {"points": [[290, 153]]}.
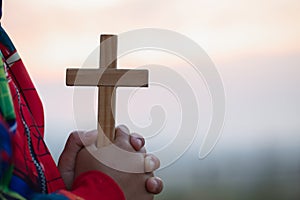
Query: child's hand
{"points": [[134, 185], [66, 163]]}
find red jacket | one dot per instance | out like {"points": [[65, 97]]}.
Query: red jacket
{"points": [[27, 168]]}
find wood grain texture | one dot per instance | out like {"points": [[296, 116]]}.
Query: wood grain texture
{"points": [[107, 77], [106, 94]]}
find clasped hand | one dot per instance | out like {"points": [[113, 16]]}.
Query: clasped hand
{"points": [[77, 159]]}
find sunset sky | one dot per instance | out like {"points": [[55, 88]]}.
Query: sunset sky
{"points": [[254, 44], [60, 33]]}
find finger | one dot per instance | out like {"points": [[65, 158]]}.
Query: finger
{"points": [[133, 142], [88, 138], [74, 144], [66, 160], [122, 133], [154, 185], [124, 160], [117, 157], [123, 138], [79, 139], [151, 163], [137, 142]]}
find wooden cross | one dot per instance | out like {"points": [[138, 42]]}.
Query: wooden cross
{"points": [[107, 77]]}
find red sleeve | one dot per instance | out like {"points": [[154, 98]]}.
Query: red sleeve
{"points": [[97, 185]]}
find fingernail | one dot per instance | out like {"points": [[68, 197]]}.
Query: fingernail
{"points": [[139, 142], [149, 164], [154, 183]]}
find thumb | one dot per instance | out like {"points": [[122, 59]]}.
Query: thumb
{"points": [[76, 141]]}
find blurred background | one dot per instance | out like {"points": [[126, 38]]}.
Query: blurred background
{"points": [[255, 46]]}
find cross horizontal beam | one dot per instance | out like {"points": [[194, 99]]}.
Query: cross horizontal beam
{"points": [[107, 77]]}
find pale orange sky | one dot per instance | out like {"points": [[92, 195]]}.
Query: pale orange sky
{"points": [[254, 44], [54, 34]]}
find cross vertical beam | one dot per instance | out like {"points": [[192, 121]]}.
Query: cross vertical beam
{"points": [[106, 94]]}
